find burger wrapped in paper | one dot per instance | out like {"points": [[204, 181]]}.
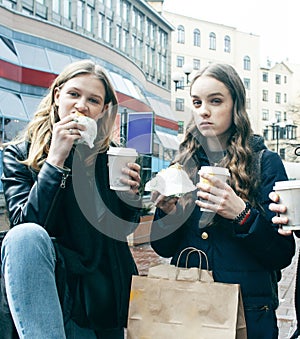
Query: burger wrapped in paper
{"points": [[89, 135], [172, 181]]}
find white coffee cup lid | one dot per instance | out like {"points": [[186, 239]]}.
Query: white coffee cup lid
{"points": [[288, 184], [122, 151], [214, 170]]}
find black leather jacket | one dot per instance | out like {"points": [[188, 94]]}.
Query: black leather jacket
{"points": [[89, 221]]}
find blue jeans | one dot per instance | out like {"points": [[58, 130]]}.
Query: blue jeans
{"points": [[28, 265]]}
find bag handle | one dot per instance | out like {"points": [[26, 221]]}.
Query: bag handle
{"points": [[191, 250]]}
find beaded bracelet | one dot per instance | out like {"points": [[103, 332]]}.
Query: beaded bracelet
{"points": [[244, 215]]}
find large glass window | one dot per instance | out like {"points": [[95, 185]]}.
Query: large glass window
{"points": [[7, 50], [32, 56], [31, 104], [57, 60]]}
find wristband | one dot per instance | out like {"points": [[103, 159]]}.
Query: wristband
{"points": [[244, 215]]}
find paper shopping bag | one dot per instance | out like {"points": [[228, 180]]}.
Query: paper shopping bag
{"points": [[184, 303]]}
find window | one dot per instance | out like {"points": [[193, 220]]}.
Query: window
{"points": [[278, 98], [180, 83], [150, 29], [118, 36], [285, 79], [266, 134], [291, 132], [125, 40], [285, 98], [56, 6], [278, 79], [196, 64], [247, 63], [108, 27], [197, 40], [282, 153], [277, 116], [227, 45], [265, 114], [247, 83], [180, 127], [180, 104], [212, 41], [180, 34], [67, 9], [101, 26], [80, 13], [180, 61], [125, 11], [265, 95], [89, 18], [265, 77], [248, 103]]}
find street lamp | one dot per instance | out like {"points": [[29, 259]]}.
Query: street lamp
{"points": [[123, 127], [177, 76]]}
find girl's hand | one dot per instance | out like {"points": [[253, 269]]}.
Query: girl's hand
{"points": [[166, 204], [219, 197], [278, 208], [133, 171], [65, 133]]}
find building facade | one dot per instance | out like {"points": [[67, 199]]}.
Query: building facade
{"points": [[197, 43], [279, 110], [273, 92], [128, 38]]}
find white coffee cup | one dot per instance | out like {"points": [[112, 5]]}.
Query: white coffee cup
{"points": [[289, 195], [118, 157], [221, 173]]}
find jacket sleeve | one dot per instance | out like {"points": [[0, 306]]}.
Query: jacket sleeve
{"points": [[167, 230], [258, 234], [29, 196]]}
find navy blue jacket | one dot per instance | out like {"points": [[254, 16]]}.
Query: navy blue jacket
{"points": [[251, 255]]}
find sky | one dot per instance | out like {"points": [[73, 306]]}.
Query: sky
{"points": [[277, 23]]}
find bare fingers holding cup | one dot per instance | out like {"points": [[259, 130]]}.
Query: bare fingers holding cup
{"points": [[132, 171]]}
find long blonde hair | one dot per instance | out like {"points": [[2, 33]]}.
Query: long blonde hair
{"points": [[239, 155], [39, 131]]}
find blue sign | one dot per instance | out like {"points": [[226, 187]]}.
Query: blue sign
{"points": [[140, 131]]}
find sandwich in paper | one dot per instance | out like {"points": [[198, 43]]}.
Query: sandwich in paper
{"points": [[171, 181], [89, 135]]}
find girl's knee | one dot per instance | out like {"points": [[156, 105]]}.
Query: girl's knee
{"points": [[27, 237]]}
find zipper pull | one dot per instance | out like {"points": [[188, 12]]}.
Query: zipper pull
{"points": [[64, 179]]}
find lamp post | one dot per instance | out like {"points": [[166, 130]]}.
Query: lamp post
{"points": [[284, 130], [123, 127], [275, 134], [177, 76]]}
